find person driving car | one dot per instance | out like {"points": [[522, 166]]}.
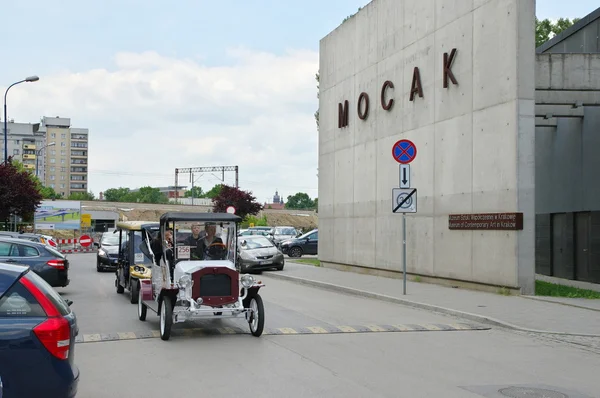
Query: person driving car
{"points": [[204, 248], [193, 241]]}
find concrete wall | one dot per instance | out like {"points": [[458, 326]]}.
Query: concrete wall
{"points": [[475, 140]]}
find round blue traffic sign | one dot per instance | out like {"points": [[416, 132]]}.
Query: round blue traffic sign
{"points": [[404, 151]]}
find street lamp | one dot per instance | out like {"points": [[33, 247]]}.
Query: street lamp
{"points": [[38, 154], [28, 80]]}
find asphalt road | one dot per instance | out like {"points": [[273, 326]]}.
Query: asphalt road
{"points": [[319, 357]]}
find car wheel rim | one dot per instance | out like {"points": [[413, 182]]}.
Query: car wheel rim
{"points": [[255, 315]]}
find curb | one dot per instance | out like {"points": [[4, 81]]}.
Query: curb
{"points": [[561, 303], [414, 304]]}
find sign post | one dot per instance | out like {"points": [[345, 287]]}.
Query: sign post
{"points": [[404, 199]]}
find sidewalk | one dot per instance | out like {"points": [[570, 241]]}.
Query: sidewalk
{"points": [[532, 314]]}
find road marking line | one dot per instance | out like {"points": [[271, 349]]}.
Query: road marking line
{"points": [[96, 337], [317, 330], [287, 330], [431, 327], [376, 328], [127, 336], [91, 337]]}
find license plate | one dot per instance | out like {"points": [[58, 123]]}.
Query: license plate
{"points": [[266, 262]]}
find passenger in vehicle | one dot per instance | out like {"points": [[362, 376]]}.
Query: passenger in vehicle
{"points": [[193, 241]]}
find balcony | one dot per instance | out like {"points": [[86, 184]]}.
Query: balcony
{"points": [[28, 156], [78, 186], [29, 146], [79, 154], [78, 161], [81, 137], [78, 169], [29, 166]]}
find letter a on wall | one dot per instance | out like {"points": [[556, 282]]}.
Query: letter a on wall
{"points": [[416, 87]]}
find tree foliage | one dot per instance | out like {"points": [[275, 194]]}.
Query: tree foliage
{"points": [[46, 192], [143, 195], [299, 201], [244, 202], [19, 194], [545, 29], [317, 77], [82, 196], [196, 191]]}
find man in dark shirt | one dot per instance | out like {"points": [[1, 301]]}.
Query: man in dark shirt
{"points": [[195, 243]]}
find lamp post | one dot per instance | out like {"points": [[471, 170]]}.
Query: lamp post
{"points": [[28, 80], [38, 154]]}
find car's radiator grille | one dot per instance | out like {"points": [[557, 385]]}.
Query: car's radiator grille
{"points": [[215, 285]]}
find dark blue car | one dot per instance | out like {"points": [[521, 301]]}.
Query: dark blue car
{"points": [[37, 337]]}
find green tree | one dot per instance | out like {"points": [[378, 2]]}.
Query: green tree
{"points": [[299, 201], [545, 29], [316, 204], [196, 191], [117, 194], [150, 195], [214, 191], [82, 196], [46, 192]]}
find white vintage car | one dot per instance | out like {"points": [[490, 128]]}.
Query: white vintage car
{"points": [[196, 278]]}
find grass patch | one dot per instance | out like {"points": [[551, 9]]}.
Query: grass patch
{"points": [[553, 290], [311, 261], [417, 278], [504, 291]]}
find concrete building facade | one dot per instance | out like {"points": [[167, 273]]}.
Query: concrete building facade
{"points": [[457, 79], [66, 162], [26, 144], [567, 147]]}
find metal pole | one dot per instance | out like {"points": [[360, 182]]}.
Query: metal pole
{"points": [[404, 253], [36, 162], [192, 177], [5, 131]]}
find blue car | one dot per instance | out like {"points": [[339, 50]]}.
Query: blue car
{"points": [[37, 337]]}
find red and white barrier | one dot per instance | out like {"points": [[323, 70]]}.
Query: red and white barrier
{"points": [[81, 245]]}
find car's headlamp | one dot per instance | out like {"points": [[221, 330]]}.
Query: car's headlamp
{"points": [[101, 252], [185, 281], [247, 280], [139, 269]]}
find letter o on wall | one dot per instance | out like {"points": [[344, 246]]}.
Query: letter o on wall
{"points": [[386, 106], [364, 97]]}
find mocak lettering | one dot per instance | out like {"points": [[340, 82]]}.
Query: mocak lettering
{"points": [[416, 89]]}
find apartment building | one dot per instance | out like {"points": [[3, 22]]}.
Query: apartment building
{"points": [[26, 143], [66, 161]]}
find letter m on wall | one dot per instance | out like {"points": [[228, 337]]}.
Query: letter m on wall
{"points": [[343, 114]]}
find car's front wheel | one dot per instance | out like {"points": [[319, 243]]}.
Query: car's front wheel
{"points": [[166, 318], [257, 319], [295, 252]]}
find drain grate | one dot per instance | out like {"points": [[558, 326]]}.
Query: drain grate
{"points": [[525, 392]]}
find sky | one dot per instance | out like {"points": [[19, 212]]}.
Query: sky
{"points": [[188, 84]]}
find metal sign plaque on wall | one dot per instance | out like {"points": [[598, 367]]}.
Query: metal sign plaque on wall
{"points": [[486, 221]]}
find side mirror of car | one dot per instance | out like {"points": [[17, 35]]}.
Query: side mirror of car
{"points": [[96, 244]]}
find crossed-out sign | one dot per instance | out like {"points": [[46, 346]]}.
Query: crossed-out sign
{"points": [[404, 151], [404, 200]]}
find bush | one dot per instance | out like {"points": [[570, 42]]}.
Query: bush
{"points": [[258, 222]]}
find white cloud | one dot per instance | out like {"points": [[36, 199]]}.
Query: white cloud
{"points": [[150, 114]]}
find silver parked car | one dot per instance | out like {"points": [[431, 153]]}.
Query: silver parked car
{"points": [[257, 253], [284, 233]]}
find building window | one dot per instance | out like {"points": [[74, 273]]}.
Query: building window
{"points": [[63, 135], [62, 161], [52, 178], [52, 160], [53, 152], [52, 169], [63, 152], [15, 151], [53, 135], [62, 186], [62, 178], [63, 169], [63, 144], [52, 186]]}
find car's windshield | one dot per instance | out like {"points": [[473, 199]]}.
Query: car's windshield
{"points": [[306, 235], [285, 231], [204, 240], [258, 242], [110, 239]]}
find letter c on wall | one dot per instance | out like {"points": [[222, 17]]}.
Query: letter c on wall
{"points": [[364, 97], [386, 106]]}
